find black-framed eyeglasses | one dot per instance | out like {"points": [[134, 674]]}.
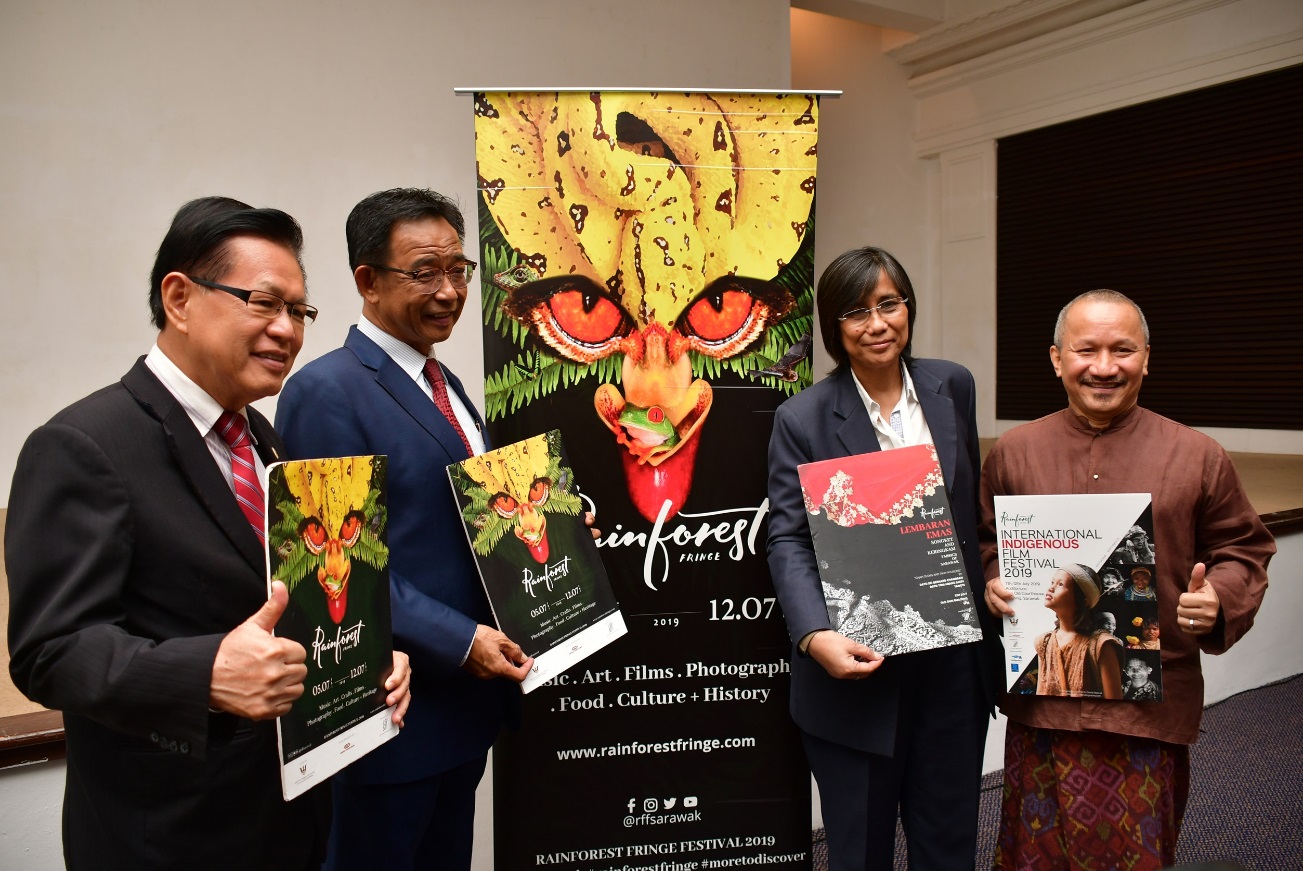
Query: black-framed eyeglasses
{"points": [[264, 304], [858, 317], [429, 279]]}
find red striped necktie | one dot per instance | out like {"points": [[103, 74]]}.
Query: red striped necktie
{"points": [[234, 430], [439, 393]]}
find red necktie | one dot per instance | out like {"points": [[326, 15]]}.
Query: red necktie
{"points": [[439, 392], [234, 430]]}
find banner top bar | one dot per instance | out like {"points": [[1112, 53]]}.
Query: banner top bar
{"points": [[466, 91]]}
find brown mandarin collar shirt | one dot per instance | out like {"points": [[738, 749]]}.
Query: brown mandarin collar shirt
{"points": [[1201, 514]]}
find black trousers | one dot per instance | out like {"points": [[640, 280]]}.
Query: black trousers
{"points": [[426, 824], [933, 779]]}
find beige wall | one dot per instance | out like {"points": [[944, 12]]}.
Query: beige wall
{"points": [[114, 114], [873, 190]]}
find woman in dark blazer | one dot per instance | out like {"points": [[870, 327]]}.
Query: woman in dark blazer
{"points": [[905, 733]]}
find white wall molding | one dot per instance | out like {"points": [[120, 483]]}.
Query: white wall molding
{"points": [[1269, 54], [1019, 45], [954, 42], [1142, 52]]}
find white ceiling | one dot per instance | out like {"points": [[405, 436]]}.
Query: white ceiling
{"points": [[913, 16]]}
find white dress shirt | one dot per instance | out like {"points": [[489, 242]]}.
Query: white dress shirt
{"points": [[913, 423]]}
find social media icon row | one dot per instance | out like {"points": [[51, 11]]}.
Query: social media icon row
{"points": [[652, 805]]}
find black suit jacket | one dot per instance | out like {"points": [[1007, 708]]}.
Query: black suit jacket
{"points": [[829, 420], [128, 561]]}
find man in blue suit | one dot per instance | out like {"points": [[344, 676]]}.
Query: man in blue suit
{"points": [[411, 803]]}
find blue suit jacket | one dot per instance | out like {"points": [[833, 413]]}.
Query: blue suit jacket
{"points": [[829, 420], [357, 400]]}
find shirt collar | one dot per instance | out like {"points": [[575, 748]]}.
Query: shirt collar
{"points": [[908, 396], [408, 358], [201, 408], [1126, 419]]}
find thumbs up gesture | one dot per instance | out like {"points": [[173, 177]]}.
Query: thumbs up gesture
{"points": [[1197, 609], [256, 674]]}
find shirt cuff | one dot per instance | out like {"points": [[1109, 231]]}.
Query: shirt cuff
{"points": [[804, 644]]}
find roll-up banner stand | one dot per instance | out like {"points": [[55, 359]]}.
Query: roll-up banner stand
{"points": [[647, 263]]}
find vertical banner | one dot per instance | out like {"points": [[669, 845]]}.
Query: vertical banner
{"points": [[647, 263]]}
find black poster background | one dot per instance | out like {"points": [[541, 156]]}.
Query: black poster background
{"points": [[1130, 616], [673, 747]]}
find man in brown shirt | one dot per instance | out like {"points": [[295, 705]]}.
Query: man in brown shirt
{"points": [[1094, 783]]}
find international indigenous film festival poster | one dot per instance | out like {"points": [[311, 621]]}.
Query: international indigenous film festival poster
{"points": [[1082, 569], [647, 263]]}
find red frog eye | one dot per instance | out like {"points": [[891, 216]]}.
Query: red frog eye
{"points": [[732, 313], [314, 534], [504, 505], [539, 491], [586, 316], [655, 415], [351, 528], [717, 316], [573, 315]]}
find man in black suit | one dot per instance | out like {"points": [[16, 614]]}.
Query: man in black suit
{"points": [[134, 559]]}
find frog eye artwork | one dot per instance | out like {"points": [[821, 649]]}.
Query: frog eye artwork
{"points": [[330, 514], [649, 242], [515, 488]]}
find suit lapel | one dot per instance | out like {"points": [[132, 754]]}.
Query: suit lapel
{"points": [[461, 394], [404, 391], [856, 431], [266, 442], [939, 410], [196, 463]]}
